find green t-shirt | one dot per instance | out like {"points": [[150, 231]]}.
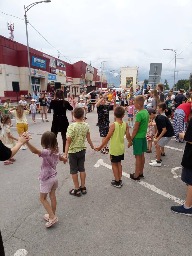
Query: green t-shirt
{"points": [[143, 118], [77, 132]]}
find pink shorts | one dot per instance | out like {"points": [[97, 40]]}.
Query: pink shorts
{"points": [[47, 185]]}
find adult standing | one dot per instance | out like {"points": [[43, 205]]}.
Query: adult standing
{"points": [[180, 119], [160, 91], [60, 122], [179, 98], [5, 154], [93, 99], [155, 99], [43, 106]]}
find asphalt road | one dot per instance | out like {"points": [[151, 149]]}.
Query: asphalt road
{"points": [[133, 220]]}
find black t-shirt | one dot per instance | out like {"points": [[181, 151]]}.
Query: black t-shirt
{"points": [[163, 122], [161, 97], [43, 102], [179, 98], [5, 153], [93, 95], [60, 106]]}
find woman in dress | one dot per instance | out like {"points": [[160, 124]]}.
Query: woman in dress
{"points": [[60, 121]]}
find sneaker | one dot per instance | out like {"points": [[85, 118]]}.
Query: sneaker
{"points": [[181, 210], [116, 184], [152, 161], [46, 120], [120, 181], [141, 176], [155, 164]]}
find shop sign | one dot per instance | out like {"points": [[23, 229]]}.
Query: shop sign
{"points": [[38, 73], [52, 63], [60, 64], [60, 72], [52, 77], [38, 62]]}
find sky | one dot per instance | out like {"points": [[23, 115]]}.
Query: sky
{"points": [[118, 33]]}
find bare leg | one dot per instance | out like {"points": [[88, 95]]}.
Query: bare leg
{"points": [[75, 180], [142, 164], [82, 177], [188, 201], [53, 199], [47, 206], [158, 152], [115, 171], [149, 145], [138, 165], [120, 170]]}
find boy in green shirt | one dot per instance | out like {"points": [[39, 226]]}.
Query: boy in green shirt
{"points": [[116, 134], [139, 137], [75, 149]]}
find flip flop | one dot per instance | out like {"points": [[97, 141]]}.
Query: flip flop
{"points": [[46, 217], [51, 222]]}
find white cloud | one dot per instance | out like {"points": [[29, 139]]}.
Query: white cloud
{"points": [[122, 32]]}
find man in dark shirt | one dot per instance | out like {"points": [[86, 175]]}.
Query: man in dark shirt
{"points": [[186, 175], [93, 95], [179, 98], [164, 132], [5, 154]]}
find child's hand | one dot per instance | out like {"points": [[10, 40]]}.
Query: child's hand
{"points": [[130, 143], [181, 135], [97, 148], [65, 159]]}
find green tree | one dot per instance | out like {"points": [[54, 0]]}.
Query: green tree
{"points": [[166, 86], [183, 84], [190, 81]]}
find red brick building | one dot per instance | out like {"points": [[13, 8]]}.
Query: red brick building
{"points": [[46, 71]]}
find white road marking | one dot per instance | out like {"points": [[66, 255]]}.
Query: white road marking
{"points": [[177, 149], [100, 162], [173, 171], [21, 252]]}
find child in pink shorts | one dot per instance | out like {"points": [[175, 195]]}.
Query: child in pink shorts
{"points": [[48, 174]]}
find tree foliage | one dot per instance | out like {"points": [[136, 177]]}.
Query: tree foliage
{"points": [[183, 84], [166, 85]]}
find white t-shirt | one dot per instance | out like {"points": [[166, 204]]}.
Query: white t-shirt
{"points": [[23, 103], [23, 119]]}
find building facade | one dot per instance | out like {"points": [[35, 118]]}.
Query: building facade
{"points": [[46, 71], [129, 77]]}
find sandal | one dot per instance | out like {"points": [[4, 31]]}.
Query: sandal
{"points": [[12, 159], [162, 154], [75, 192], [83, 190], [7, 162], [132, 176], [46, 217], [148, 151], [103, 151], [51, 222]]}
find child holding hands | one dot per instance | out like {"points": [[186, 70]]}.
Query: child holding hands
{"points": [[75, 150], [48, 173], [116, 134]]}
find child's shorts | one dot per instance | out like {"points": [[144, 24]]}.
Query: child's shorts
{"points": [[130, 115], [22, 127], [77, 161], [139, 146], [116, 159], [163, 141], [103, 130], [47, 185], [43, 109], [186, 176]]}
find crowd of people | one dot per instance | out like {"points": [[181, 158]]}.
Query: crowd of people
{"points": [[153, 118]]}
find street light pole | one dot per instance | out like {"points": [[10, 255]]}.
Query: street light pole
{"points": [[175, 63], [26, 9]]}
